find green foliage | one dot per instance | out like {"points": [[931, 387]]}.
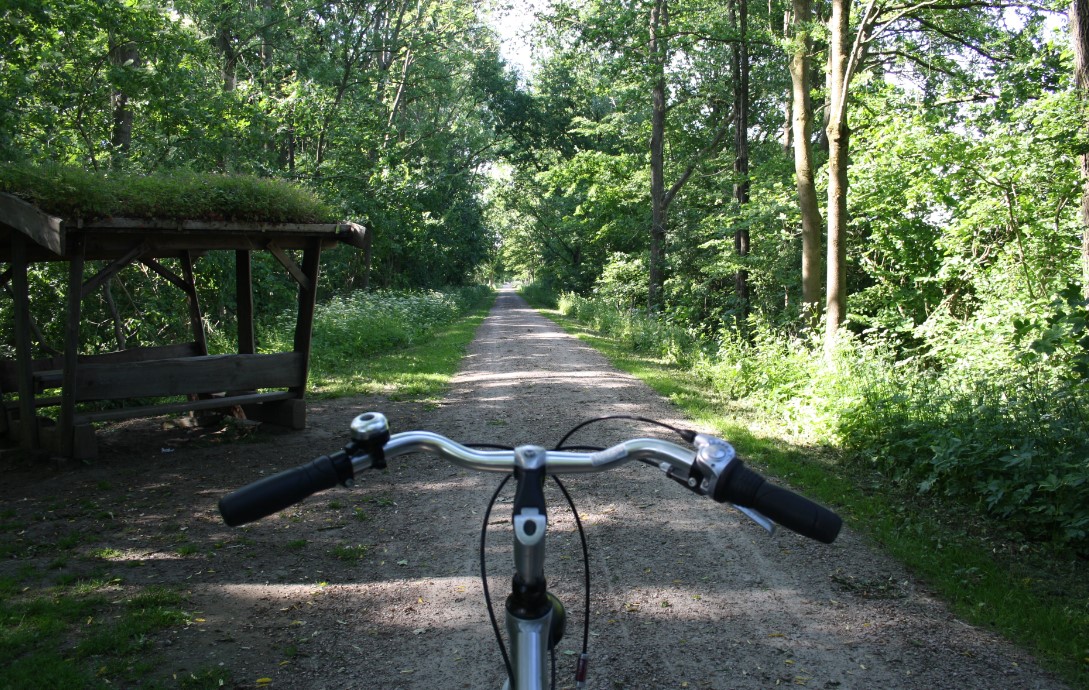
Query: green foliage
{"points": [[642, 333], [350, 331], [1009, 446], [1059, 339], [540, 295]]}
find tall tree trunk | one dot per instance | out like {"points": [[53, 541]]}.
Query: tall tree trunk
{"points": [[1079, 33], [837, 131], [741, 147], [123, 55], [229, 71], [659, 22], [787, 137], [802, 122]]}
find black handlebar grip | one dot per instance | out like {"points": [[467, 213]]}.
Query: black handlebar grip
{"points": [[741, 486], [271, 494]]}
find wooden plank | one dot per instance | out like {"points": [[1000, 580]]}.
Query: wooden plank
{"points": [[144, 354], [23, 357], [50, 401], [288, 413], [191, 375], [287, 262], [243, 281], [184, 406], [10, 369], [29, 220]]}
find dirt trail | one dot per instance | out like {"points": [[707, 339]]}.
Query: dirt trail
{"points": [[377, 587]]}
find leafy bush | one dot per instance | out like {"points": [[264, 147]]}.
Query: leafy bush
{"points": [[1002, 432], [642, 333], [539, 294], [365, 323]]}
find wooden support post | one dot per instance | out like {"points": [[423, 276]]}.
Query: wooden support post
{"points": [[196, 317], [28, 421], [243, 278], [66, 428], [308, 294]]}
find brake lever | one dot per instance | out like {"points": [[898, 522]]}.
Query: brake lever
{"points": [[713, 456]]}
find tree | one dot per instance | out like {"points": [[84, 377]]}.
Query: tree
{"points": [[802, 126], [1079, 36], [659, 55], [740, 50]]}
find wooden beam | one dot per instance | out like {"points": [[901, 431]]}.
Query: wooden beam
{"points": [[196, 318], [28, 419], [354, 235], [66, 426], [29, 220], [96, 281], [297, 273], [304, 325], [243, 280], [167, 274]]}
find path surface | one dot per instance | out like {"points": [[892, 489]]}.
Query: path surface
{"points": [[377, 587]]}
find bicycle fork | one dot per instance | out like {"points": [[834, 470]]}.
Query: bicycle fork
{"points": [[535, 618]]}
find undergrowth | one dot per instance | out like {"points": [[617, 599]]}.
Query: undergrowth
{"points": [[1006, 441], [388, 342]]}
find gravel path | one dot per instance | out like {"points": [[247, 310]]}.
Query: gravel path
{"points": [[377, 587]]}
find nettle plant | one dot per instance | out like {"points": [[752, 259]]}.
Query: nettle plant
{"points": [[1060, 339]]}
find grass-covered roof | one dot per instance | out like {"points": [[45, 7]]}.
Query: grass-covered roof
{"points": [[71, 193]]}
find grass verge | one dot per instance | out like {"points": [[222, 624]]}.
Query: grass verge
{"points": [[416, 372], [1037, 598]]}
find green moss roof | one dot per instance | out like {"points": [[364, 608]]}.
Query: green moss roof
{"points": [[72, 193]]}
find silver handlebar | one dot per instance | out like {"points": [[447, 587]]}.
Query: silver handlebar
{"points": [[556, 462], [674, 460]]}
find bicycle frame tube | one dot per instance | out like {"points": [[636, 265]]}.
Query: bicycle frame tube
{"points": [[529, 611]]}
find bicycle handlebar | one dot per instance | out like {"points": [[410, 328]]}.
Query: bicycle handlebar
{"points": [[712, 470]]}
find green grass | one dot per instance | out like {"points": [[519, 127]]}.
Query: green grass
{"points": [[1038, 598], [77, 637], [421, 371]]}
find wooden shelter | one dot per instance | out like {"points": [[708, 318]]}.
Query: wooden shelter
{"points": [[269, 387]]}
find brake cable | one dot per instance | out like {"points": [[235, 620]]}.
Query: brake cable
{"points": [[686, 434]]}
